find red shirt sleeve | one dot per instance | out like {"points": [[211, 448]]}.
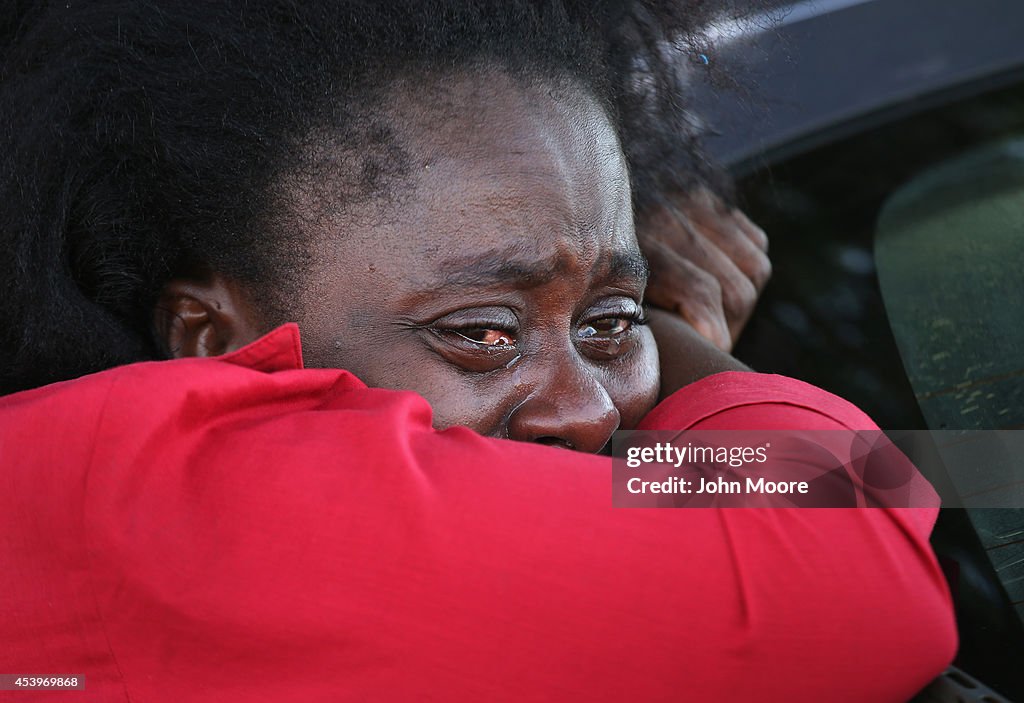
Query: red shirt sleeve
{"points": [[203, 531]]}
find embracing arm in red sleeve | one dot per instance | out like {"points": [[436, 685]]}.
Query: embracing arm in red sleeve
{"points": [[242, 529]]}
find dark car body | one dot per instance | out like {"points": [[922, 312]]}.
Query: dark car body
{"points": [[852, 104]]}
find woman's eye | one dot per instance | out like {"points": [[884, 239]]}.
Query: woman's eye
{"points": [[612, 336], [606, 327], [480, 332], [487, 337], [477, 347]]}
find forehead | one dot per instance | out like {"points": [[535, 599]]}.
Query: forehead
{"points": [[499, 168], [491, 126]]}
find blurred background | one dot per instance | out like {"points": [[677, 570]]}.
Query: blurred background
{"points": [[880, 144]]}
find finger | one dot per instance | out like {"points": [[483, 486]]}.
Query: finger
{"points": [[739, 292], [680, 286], [674, 230], [729, 237], [751, 230], [730, 231], [709, 324], [703, 203]]}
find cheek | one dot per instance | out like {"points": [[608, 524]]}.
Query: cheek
{"points": [[403, 364], [480, 403], [483, 411], [633, 386]]}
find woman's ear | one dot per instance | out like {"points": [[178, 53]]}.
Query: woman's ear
{"points": [[205, 317]]}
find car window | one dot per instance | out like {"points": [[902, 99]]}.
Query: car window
{"points": [[922, 183], [822, 316]]}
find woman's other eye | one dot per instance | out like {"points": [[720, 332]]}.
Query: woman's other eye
{"points": [[605, 327], [610, 336], [477, 340], [486, 336]]}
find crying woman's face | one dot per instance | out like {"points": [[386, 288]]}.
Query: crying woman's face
{"points": [[506, 285]]}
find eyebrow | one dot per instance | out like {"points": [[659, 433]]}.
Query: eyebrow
{"points": [[497, 268]]}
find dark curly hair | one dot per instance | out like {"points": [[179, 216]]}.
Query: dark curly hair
{"points": [[146, 138]]}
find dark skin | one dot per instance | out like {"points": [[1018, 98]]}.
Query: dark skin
{"points": [[709, 263], [504, 285]]}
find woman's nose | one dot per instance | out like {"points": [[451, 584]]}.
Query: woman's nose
{"points": [[572, 409]]}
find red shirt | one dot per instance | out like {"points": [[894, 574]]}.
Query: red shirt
{"points": [[242, 529]]}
